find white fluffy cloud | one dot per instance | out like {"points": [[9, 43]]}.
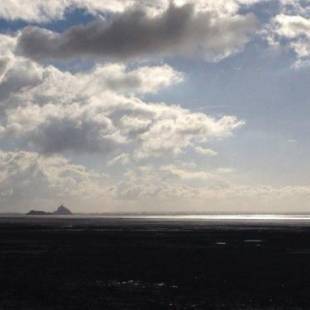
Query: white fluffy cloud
{"points": [[295, 31], [43, 11], [291, 28], [27, 178], [98, 111], [107, 123], [117, 77], [22, 81]]}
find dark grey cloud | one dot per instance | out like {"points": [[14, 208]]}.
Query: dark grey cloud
{"points": [[61, 135], [177, 31]]}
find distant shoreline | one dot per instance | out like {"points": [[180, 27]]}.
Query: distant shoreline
{"points": [[165, 214]]}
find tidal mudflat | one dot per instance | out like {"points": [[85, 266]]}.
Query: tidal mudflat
{"points": [[110, 263]]}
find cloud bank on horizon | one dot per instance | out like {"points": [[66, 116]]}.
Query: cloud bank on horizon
{"points": [[89, 113]]}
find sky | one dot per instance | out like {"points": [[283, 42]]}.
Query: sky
{"points": [[155, 106]]}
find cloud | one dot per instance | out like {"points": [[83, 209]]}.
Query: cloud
{"points": [[47, 113], [18, 75], [290, 28], [292, 31], [27, 178], [173, 188], [173, 129], [294, 7], [50, 85], [55, 129], [97, 111], [143, 80], [221, 7], [178, 182], [122, 159], [103, 113], [179, 30], [186, 174], [22, 80], [205, 151], [45, 11], [108, 123], [4, 63]]}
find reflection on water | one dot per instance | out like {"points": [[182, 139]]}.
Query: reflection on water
{"points": [[160, 221], [231, 217], [208, 217]]}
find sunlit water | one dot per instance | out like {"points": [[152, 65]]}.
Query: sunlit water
{"points": [[237, 217], [209, 217], [276, 219]]}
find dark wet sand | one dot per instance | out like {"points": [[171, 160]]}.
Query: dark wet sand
{"points": [[127, 264]]}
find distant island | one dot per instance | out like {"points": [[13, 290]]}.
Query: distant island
{"points": [[61, 210]]}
